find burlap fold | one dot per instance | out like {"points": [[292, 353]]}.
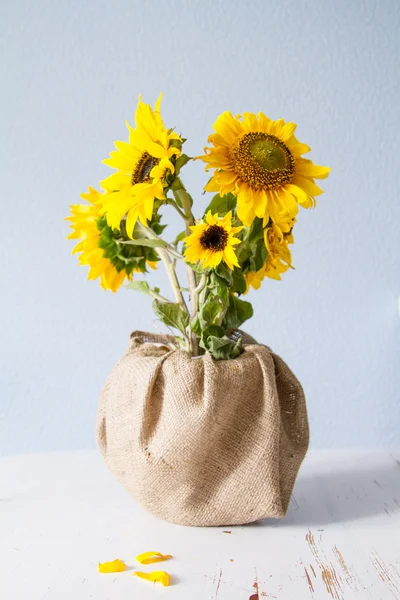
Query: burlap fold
{"points": [[203, 442]]}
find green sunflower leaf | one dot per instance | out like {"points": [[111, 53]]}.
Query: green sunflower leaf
{"points": [[219, 345], [148, 243], [171, 314], [197, 268], [181, 162], [158, 228], [210, 312], [195, 325], [179, 238], [238, 281], [218, 287], [221, 204], [139, 286], [238, 312], [252, 252], [225, 273], [176, 143]]}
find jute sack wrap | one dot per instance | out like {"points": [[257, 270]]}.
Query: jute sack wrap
{"points": [[203, 442]]}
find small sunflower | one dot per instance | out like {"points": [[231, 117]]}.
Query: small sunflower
{"points": [[279, 260], [142, 164], [84, 219], [212, 242], [99, 249], [261, 162]]}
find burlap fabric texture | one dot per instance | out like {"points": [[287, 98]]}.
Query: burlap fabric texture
{"points": [[203, 442]]}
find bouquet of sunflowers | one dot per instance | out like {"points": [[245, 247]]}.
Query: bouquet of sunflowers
{"points": [[259, 179], [206, 426]]}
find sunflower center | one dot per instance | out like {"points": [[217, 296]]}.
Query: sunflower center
{"points": [[143, 168], [214, 238], [263, 161]]}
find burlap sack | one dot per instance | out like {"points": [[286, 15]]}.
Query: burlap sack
{"points": [[203, 442]]}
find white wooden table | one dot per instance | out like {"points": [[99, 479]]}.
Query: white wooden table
{"points": [[61, 513]]}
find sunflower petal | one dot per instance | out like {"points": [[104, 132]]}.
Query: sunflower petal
{"points": [[307, 185], [156, 150], [155, 576], [147, 558], [308, 169], [212, 185], [115, 566]]}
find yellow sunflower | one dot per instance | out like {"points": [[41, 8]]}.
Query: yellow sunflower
{"points": [[212, 242], [279, 258], [277, 239], [84, 218], [261, 162], [141, 165]]}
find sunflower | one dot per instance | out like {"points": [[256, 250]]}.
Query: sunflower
{"points": [[141, 166], [84, 219], [279, 258], [212, 242], [261, 162], [99, 248], [277, 239]]}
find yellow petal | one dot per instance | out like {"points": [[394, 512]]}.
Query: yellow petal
{"points": [[230, 257], [212, 186], [259, 201], [152, 264], [157, 106], [225, 177], [156, 150], [155, 576], [131, 221], [307, 185], [302, 198], [297, 148], [116, 181], [287, 131], [250, 122], [308, 169], [227, 127], [147, 558], [115, 566]]}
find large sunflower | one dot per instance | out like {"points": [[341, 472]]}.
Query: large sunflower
{"points": [[261, 162], [212, 242], [99, 249], [142, 164]]}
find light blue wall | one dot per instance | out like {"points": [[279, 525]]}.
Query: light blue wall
{"points": [[71, 72]]}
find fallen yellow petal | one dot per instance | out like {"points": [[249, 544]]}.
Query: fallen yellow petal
{"points": [[155, 576], [115, 566], [147, 558]]}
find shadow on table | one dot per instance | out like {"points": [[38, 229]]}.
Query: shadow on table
{"points": [[340, 496]]}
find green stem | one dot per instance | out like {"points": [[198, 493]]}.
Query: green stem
{"points": [[163, 253], [158, 296], [174, 204], [196, 293], [153, 236], [183, 198]]}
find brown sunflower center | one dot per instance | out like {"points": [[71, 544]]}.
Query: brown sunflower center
{"points": [[143, 168], [214, 238], [263, 161]]}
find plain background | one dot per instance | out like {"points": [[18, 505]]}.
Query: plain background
{"points": [[71, 72]]}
